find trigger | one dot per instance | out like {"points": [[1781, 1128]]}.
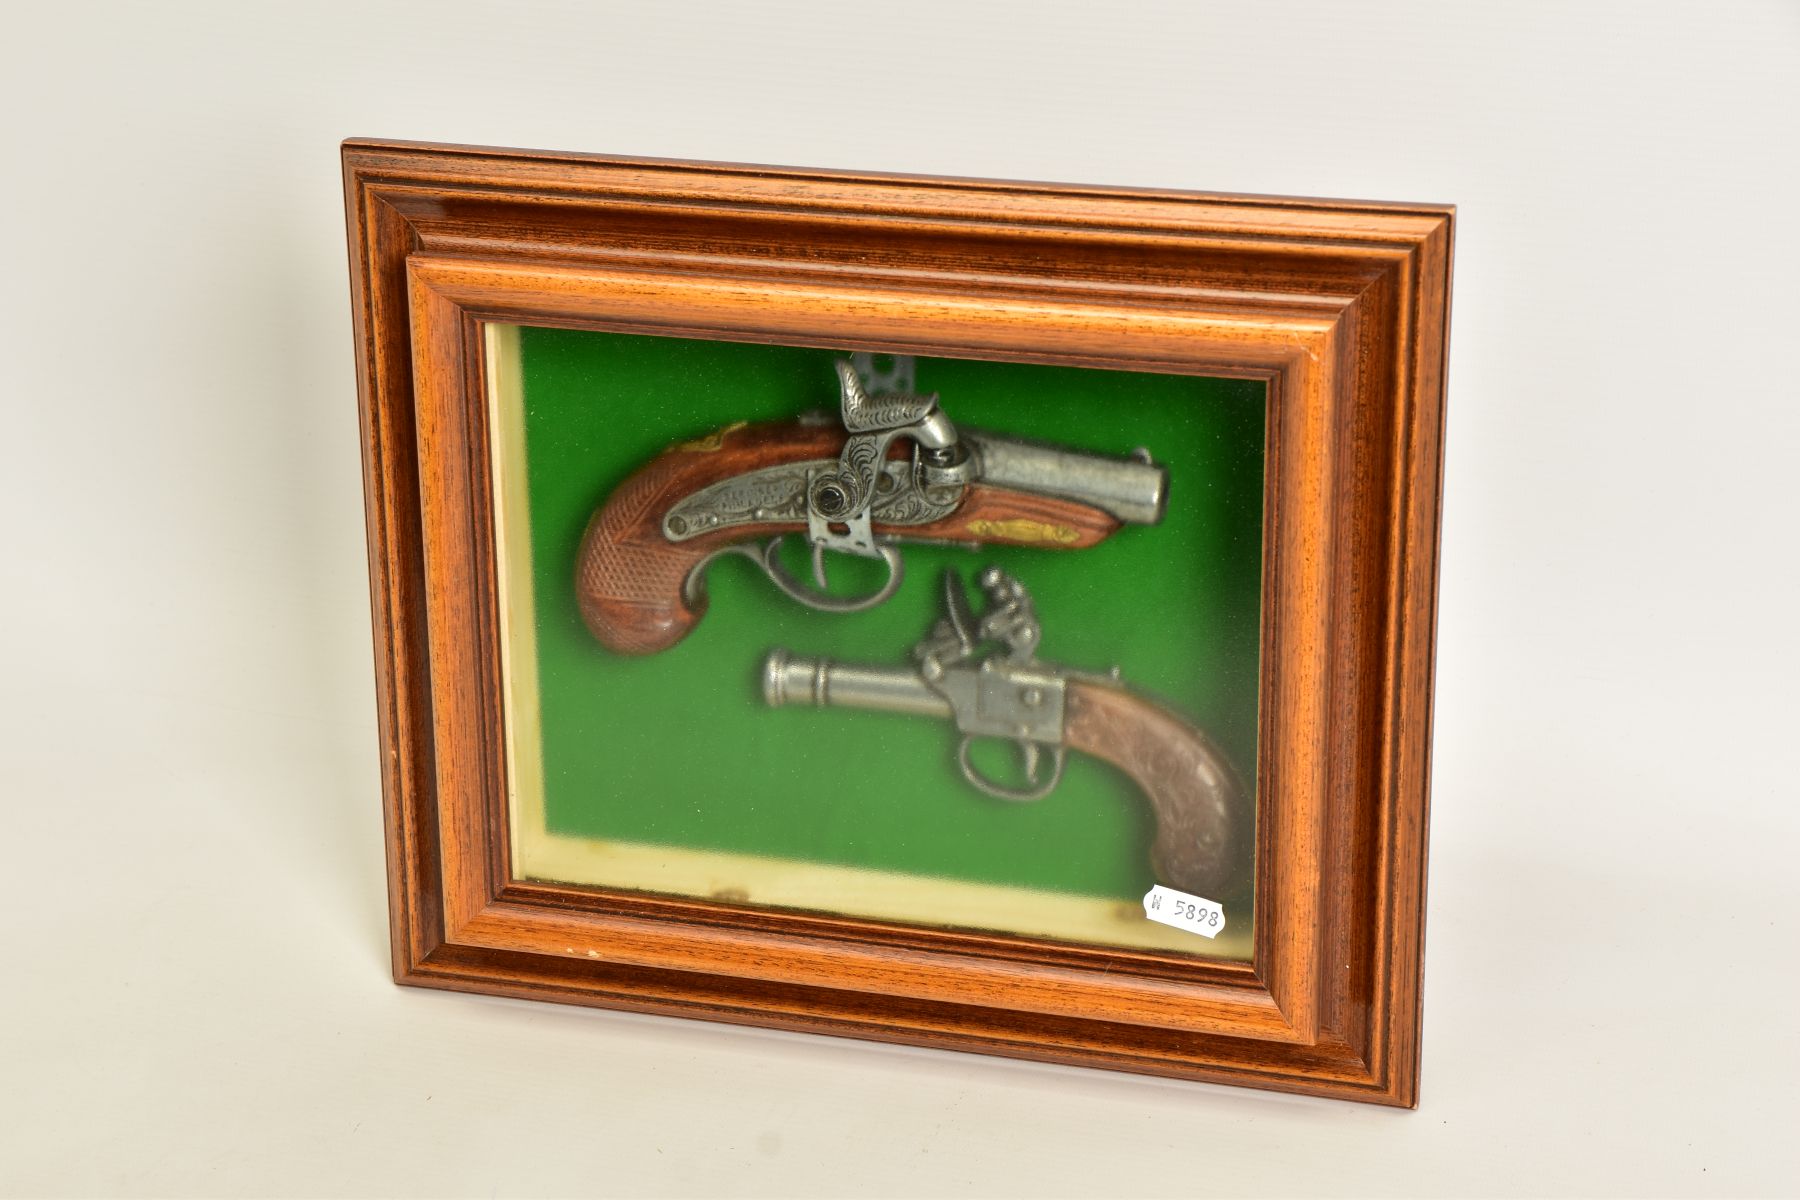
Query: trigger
{"points": [[1029, 751]]}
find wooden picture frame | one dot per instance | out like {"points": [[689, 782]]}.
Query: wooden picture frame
{"points": [[1341, 309]]}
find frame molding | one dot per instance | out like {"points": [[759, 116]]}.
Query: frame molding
{"points": [[1341, 308]]}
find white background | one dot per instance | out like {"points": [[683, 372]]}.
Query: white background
{"points": [[193, 969]]}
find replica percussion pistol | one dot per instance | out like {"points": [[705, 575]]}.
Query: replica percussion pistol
{"points": [[983, 676], [893, 468]]}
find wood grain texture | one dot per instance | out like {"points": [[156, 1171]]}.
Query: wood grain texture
{"points": [[1201, 809], [632, 581], [1342, 309]]}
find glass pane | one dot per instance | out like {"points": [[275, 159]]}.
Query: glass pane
{"points": [[671, 768]]}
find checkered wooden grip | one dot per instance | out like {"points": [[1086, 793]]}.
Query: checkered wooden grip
{"points": [[631, 580]]}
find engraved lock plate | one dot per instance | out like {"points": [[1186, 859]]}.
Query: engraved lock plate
{"points": [[777, 495]]}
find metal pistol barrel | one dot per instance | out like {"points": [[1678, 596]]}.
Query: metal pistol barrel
{"points": [[1133, 489], [787, 679]]}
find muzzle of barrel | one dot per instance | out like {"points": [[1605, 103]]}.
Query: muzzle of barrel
{"points": [[1134, 489]]}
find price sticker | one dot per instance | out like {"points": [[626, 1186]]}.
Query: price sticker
{"points": [[1179, 910]]}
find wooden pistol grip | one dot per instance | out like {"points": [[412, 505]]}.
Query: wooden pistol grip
{"points": [[1202, 815], [630, 579]]}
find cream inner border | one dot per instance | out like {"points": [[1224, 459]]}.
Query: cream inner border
{"points": [[542, 856]]}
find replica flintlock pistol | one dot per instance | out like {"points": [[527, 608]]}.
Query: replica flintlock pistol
{"points": [[983, 676], [891, 468]]}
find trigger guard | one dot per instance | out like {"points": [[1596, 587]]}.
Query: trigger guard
{"points": [[1013, 795], [794, 589]]}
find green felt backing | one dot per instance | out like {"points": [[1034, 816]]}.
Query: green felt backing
{"points": [[678, 748]]}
